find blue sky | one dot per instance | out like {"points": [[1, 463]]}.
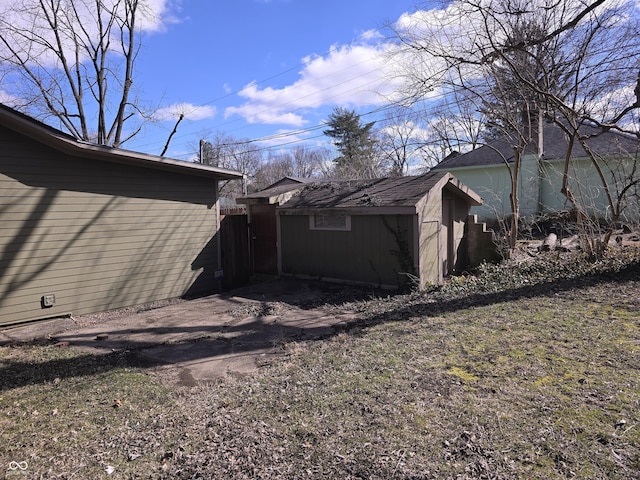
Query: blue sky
{"points": [[271, 71], [255, 68]]}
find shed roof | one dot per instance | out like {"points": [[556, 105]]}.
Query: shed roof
{"points": [[381, 192], [63, 142], [555, 148], [276, 194], [288, 180]]}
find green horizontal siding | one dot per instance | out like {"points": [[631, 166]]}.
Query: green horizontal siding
{"points": [[98, 235], [367, 253], [544, 194], [586, 184]]}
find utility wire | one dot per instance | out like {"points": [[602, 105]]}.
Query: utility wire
{"points": [[282, 135], [297, 132], [261, 82]]}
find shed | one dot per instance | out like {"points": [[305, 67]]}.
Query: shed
{"points": [[87, 228], [385, 232]]}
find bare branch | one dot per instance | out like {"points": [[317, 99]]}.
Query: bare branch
{"points": [[71, 57], [175, 129]]}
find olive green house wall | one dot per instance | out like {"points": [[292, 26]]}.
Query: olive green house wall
{"points": [[79, 234], [377, 250]]}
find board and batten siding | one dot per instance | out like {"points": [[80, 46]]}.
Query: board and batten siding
{"points": [[98, 235], [432, 244], [368, 253]]}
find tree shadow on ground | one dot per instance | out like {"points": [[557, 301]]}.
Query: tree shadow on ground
{"points": [[16, 374], [430, 306], [249, 337]]}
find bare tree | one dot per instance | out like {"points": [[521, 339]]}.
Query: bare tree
{"points": [[225, 151], [300, 162], [476, 85], [588, 90], [274, 168], [573, 62], [455, 124], [401, 139], [308, 162], [73, 61]]}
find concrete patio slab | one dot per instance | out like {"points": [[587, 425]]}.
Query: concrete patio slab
{"points": [[205, 339]]}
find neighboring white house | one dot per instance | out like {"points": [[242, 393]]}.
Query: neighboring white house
{"points": [[486, 170]]}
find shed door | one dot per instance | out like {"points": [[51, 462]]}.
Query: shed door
{"points": [[264, 239], [447, 253]]}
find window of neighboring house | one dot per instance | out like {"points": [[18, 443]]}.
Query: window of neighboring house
{"points": [[330, 222]]}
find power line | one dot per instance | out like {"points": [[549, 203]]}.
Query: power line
{"points": [[277, 107], [283, 135], [383, 108], [296, 132]]}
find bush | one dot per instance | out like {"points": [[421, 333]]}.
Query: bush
{"points": [[545, 267]]}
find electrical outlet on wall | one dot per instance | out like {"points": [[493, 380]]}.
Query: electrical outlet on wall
{"points": [[48, 300]]}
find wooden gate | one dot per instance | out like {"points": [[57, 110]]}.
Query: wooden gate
{"points": [[264, 239], [234, 242]]}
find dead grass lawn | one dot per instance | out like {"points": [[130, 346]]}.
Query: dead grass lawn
{"points": [[540, 382]]}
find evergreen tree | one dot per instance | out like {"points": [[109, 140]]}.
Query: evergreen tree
{"points": [[355, 144]]}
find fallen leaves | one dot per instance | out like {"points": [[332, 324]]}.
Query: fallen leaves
{"points": [[417, 387]]}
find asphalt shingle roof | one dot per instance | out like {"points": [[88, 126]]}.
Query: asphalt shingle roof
{"points": [[382, 192], [555, 148], [275, 191]]}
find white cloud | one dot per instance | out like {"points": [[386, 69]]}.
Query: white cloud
{"points": [[190, 112], [353, 75], [283, 138], [30, 15], [156, 14], [8, 99], [260, 112], [371, 35], [612, 104]]}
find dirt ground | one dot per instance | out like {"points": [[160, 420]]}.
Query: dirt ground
{"points": [[523, 370], [191, 341]]}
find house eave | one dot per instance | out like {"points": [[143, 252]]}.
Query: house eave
{"points": [[69, 145], [267, 200], [403, 210], [449, 180], [461, 189]]}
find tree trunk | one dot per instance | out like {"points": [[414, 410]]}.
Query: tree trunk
{"points": [[513, 197]]}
